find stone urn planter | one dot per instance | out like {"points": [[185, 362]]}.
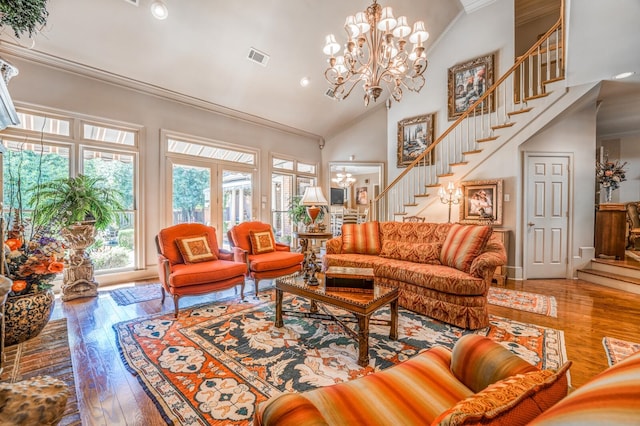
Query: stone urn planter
{"points": [[78, 279], [26, 315]]}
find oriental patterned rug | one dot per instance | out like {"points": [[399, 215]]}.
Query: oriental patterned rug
{"points": [[47, 354], [617, 349], [217, 361], [514, 299]]}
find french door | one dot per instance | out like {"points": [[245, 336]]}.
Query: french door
{"points": [[211, 193]]}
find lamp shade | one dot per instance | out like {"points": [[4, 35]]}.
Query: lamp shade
{"points": [[313, 196]]}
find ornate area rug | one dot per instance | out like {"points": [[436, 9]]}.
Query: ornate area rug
{"points": [[47, 354], [617, 349], [524, 301], [521, 300], [213, 364]]}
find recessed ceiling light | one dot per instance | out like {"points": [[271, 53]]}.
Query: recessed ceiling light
{"points": [[623, 75], [159, 10], [304, 81]]}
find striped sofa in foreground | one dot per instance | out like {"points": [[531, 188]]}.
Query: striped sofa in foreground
{"points": [[478, 382]]}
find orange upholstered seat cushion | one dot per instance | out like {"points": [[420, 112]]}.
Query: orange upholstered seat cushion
{"points": [[274, 260], [205, 272]]}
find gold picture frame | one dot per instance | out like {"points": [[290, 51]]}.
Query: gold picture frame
{"points": [[415, 135], [467, 82], [481, 202]]}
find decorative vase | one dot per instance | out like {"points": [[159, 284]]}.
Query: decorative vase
{"points": [[78, 279], [608, 193], [26, 315]]}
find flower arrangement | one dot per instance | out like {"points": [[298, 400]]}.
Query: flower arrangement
{"points": [[610, 174], [33, 263]]}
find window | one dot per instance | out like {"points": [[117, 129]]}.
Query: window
{"points": [[213, 152], [43, 148]]}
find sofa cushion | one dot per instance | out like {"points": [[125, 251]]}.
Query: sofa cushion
{"points": [[361, 238], [609, 398], [195, 249], [412, 252], [414, 232], [515, 400], [463, 244], [262, 241], [478, 362]]}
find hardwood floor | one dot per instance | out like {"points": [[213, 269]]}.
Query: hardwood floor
{"points": [[108, 394]]}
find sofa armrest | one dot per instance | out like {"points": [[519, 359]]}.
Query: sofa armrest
{"points": [[278, 411], [282, 247], [225, 254], [334, 245], [486, 263], [477, 361]]}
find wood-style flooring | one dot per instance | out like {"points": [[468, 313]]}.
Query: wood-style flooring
{"points": [[108, 394]]}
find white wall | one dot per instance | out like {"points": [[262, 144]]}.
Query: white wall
{"points": [[53, 88], [625, 148]]}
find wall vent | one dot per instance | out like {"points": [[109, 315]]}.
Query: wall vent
{"points": [[330, 93], [258, 57], [133, 2]]}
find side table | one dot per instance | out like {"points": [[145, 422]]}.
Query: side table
{"points": [[310, 264]]}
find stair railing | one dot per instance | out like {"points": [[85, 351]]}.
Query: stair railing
{"points": [[497, 108]]}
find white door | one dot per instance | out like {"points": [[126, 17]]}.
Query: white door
{"points": [[546, 219]]}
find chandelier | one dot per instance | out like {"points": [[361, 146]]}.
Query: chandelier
{"points": [[376, 53], [344, 180]]}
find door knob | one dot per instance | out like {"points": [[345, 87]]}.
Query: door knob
{"points": [[530, 223]]}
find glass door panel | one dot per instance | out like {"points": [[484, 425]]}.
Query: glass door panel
{"points": [[237, 200], [191, 194]]}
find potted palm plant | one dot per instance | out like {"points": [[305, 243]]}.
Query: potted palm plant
{"points": [[76, 207]]}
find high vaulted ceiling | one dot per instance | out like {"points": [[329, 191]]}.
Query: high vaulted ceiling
{"points": [[200, 51]]}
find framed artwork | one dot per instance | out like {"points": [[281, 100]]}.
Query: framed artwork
{"points": [[362, 197], [467, 82], [415, 134], [481, 202]]}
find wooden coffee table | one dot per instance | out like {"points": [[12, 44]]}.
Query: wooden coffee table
{"points": [[362, 303]]}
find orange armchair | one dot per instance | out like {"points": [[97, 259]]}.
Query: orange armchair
{"points": [[190, 262], [254, 244]]}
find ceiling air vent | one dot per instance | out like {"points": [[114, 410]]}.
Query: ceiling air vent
{"points": [[258, 57], [133, 2]]}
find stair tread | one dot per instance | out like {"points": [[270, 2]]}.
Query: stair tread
{"points": [[421, 195], [487, 139], [538, 96], [611, 275], [503, 125], [475, 151], [519, 111]]}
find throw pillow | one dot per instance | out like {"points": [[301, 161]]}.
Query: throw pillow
{"points": [[195, 249], [262, 242], [515, 400], [412, 252], [361, 238], [463, 244]]}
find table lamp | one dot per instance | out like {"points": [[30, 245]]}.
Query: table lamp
{"points": [[312, 198]]}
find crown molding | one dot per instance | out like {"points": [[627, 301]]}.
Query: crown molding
{"points": [[30, 55]]}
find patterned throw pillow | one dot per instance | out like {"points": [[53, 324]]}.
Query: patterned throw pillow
{"points": [[515, 400], [195, 249], [262, 242], [361, 238], [412, 252], [463, 244]]}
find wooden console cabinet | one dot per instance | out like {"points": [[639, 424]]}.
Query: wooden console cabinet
{"points": [[610, 232], [500, 275]]}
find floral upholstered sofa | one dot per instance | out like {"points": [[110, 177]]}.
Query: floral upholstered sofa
{"points": [[478, 382], [442, 270]]}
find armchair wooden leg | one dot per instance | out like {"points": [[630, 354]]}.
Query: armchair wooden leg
{"points": [[255, 281], [175, 303], [242, 291], [163, 294]]}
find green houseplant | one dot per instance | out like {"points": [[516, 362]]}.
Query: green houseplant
{"points": [[61, 203], [76, 206], [23, 16]]}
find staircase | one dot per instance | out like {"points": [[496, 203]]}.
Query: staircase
{"points": [[619, 274], [511, 104]]}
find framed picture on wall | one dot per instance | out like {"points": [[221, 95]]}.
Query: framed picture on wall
{"points": [[415, 134], [362, 196], [481, 202], [467, 82]]}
